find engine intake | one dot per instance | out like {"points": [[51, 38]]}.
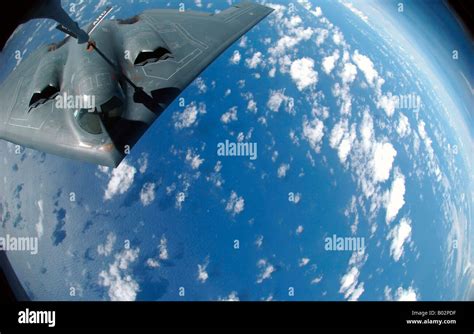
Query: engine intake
{"points": [[47, 93], [45, 84], [147, 47], [145, 57]]}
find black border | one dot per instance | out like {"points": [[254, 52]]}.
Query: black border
{"points": [[133, 315]]}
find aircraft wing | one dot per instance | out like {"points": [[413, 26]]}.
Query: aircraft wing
{"points": [[139, 67]]}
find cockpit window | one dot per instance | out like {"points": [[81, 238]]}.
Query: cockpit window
{"points": [[89, 121]]}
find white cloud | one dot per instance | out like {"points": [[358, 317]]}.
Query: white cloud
{"points": [[99, 5], [147, 194], [218, 167], [406, 295], [356, 11], [232, 297], [338, 37], [367, 67], [303, 73], [349, 73], [303, 261], [403, 127], [350, 285], [433, 167], [106, 249], [317, 12], [272, 72], [367, 132], [349, 278], [283, 44], [252, 106], [229, 116], [277, 97], [400, 234], [321, 36], [189, 116], [313, 132], [120, 283], [282, 170], [203, 275], [163, 254], [243, 42], [401, 294], [120, 181], [236, 57], [346, 145], [344, 97], [163, 248], [299, 229], [342, 139], [256, 60], [305, 3], [368, 169], [384, 155], [267, 269], [316, 280], [201, 85], [235, 204], [358, 291], [329, 62], [395, 198], [371, 163], [152, 263], [292, 37], [102, 169], [143, 163], [294, 21], [194, 160], [388, 103]]}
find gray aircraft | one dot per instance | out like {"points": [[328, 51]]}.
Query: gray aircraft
{"points": [[94, 103]]}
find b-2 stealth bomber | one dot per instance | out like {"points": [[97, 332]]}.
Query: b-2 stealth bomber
{"points": [[113, 90]]}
